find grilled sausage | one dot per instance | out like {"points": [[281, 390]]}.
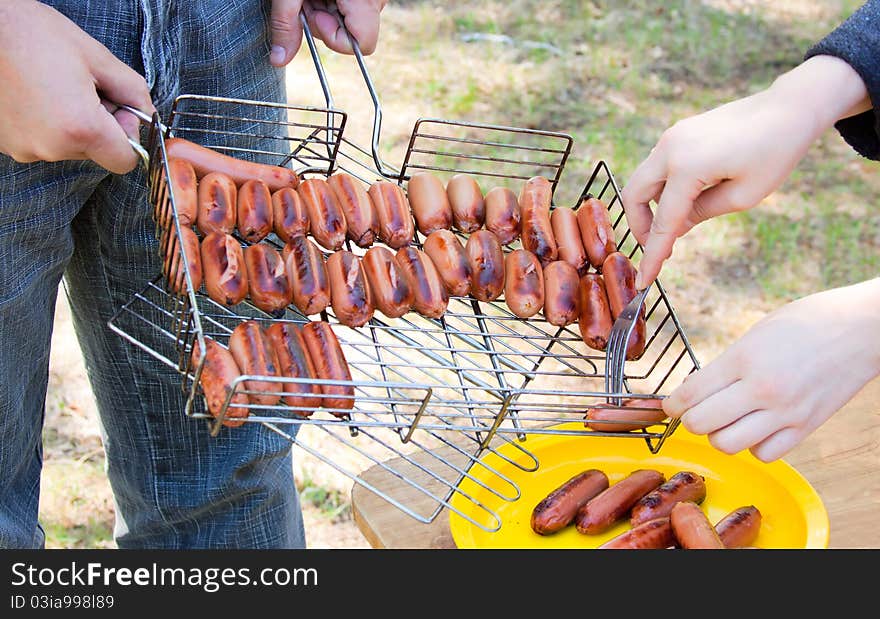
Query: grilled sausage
{"points": [[558, 509], [218, 374], [620, 285], [175, 272], [561, 293], [651, 534], [294, 362], [597, 234], [466, 200], [349, 291], [523, 283], [225, 273], [396, 228], [603, 511], [204, 161], [502, 214], [390, 290], [186, 193], [361, 221], [537, 232], [486, 260], [594, 317], [692, 528], [429, 294], [254, 211], [330, 364], [326, 220], [268, 285], [289, 216], [430, 205], [217, 204], [446, 252], [255, 356], [740, 528], [636, 413], [683, 486], [564, 223], [307, 274]]}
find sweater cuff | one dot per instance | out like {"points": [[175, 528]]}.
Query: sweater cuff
{"points": [[857, 42]]}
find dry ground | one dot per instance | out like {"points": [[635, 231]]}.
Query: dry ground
{"points": [[614, 75]]}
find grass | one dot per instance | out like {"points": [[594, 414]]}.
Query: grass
{"points": [[332, 504]]}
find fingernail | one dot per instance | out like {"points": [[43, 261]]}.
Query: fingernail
{"points": [[277, 55]]}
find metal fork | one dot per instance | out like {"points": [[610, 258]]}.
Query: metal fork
{"points": [[618, 340]]}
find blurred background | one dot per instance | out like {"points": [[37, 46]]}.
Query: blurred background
{"points": [[614, 75]]}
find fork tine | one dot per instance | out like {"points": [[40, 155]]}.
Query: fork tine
{"points": [[618, 342]]}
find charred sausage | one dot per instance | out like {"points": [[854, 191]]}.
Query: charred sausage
{"points": [[446, 252], [349, 291], [502, 215], [175, 272], [390, 290], [692, 528], [254, 211], [326, 220], [294, 362], [597, 233], [225, 273], [330, 364], [558, 509], [651, 534], [603, 511], [466, 200], [268, 285], [537, 232], [561, 293], [217, 204], [594, 314], [683, 486], [289, 216], [396, 228], [740, 528], [186, 193], [218, 375], [620, 284], [361, 221], [254, 355], [307, 274], [635, 414], [429, 294], [564, 223], [486, 260], [523, 283]]}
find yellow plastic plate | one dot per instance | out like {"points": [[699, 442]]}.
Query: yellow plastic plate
{"points": [[793, 513]]}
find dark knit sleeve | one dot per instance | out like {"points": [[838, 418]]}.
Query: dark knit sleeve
{"points": [[857, 41]]}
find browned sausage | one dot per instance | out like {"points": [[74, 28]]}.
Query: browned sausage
{"points": [[225, 273], [652, 534], [430, 205], [636, 413], [254, 355], [523, 283], [602, 512], [326, 220], [558, 509], [175, 271], [561, 293], [502, 214], [564, 223], [620, 286], [692, 528], [186, 193], [289, 215], [429, 294], [597, 234], [446, 252], [740, 528], [360, 215], [254, 211], [268, 286], [217, 204], [349, 291], [307, 274], [204, 160], [537, 232], [466, 200], [294, 362], [486, 260], [330, 364], [390, 290], [683, 486], [396, 228], [594, 318], [218, 374]]}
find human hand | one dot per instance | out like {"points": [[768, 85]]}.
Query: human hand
{"points": [[787, 375], [361, 18], [57, 85], [730, 158]]}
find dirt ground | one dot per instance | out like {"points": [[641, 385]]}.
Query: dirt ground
{"points": [[624, 72]]}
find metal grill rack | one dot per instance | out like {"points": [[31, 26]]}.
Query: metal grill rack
{"points": [[432, 396]]}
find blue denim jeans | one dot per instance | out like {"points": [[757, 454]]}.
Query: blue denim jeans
{"points": [[174, 486]]}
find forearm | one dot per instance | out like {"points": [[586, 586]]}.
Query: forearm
{"points": [[864, 307], [829, 89]]}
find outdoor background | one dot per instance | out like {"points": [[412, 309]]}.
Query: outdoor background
{"points": [[612, 74]]}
